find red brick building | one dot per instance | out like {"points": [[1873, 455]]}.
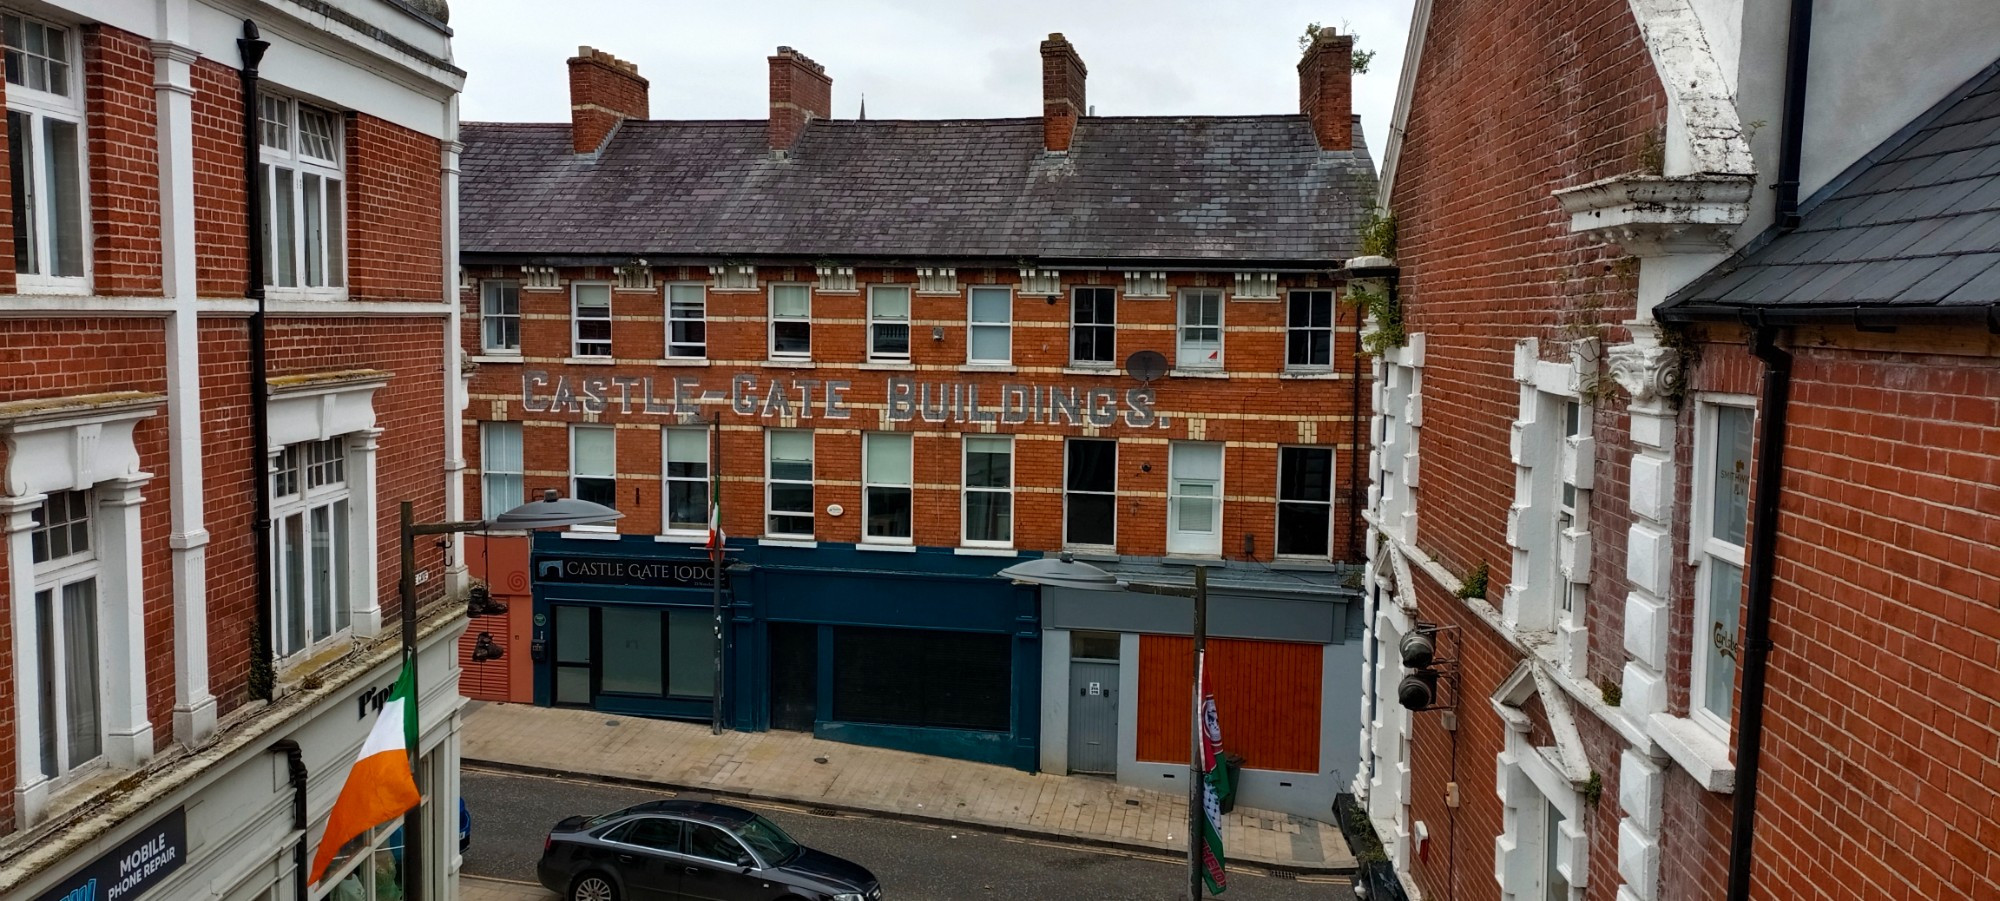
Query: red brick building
{"points": [[1697, 372], [148, 698], [909, 347]]}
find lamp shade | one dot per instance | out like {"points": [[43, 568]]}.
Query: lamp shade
{"points": [[1063, 572], [552, 512]]}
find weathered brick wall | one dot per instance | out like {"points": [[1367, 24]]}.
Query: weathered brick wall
{"points": [[1511, 103], [1879, 773], [1253, 410], [222, 262], [395, 183], [124, 163]]}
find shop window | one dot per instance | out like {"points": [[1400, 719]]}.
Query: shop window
{"points": [[590, 319], [886, 477], [1305, 501], [1200, 329], [791, 322], [45, 143], [369, 868], [688, 507], [1309, 330], [303, 213], [310, 540], [1194, 499], [1090, 486], [912, 677], [989, 490], [989, 326], [500, 469], [1093, 645], [1093, 327], [687, 320], [500, 315], [1719, 528], [788, 481], [888, 323], [593, 464]]}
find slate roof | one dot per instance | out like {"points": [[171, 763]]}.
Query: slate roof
{"points": [[1915, 229], [1197, 188]]}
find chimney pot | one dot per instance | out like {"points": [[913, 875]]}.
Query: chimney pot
{"points": [[603, 91], [801, 91], [1063, 74], [1326, 89]]}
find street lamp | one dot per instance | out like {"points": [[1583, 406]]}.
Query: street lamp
{"points": [[550, 512], [1064, 571]]}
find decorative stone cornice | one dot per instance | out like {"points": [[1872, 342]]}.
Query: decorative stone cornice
{"points": [[1652, 215], [1647, 372]]}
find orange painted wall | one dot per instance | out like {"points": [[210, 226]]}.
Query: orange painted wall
{"points": [[1266, 695], [502, 563]]}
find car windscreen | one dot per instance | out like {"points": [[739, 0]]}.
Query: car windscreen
{"points": [[770, 842], [603, 818]]}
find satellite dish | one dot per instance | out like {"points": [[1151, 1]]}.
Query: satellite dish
{"points": [[1146, 365]]}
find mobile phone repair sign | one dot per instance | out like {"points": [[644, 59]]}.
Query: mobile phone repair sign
{"points": [[125, 873]]}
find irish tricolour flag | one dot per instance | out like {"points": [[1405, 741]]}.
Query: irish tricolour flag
{"points": [[1215, 784], [381, 786]]}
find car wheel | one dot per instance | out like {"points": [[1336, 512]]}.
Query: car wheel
{"points": [[593, 887]]}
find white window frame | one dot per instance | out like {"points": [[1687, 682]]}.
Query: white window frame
{"points": [[42, 107], [967, 490], [512, 480], [772, 332], [1278, 523], [281, 150], [1076, 326], [492, 314], [1572, 563], [1291, 329], [307, 478], [687, 350], [1190, 354], [55, 575], [811, 511], [576, 318], [974, 325], [361, 861], [877, 320], [1706, 550], [870, 479], [669, 480], [575, 477], [1192, 543], [1068, 492]]}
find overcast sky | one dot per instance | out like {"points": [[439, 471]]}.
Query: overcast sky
{"points": [[922, 59]]}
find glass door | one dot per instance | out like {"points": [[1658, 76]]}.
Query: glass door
{"points": [[575, 641]]}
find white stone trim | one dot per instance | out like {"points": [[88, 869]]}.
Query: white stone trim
{"points": [[315, 408]]}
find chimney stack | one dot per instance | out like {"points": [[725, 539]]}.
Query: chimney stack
{"points": [[1326, 89], [1062, 92], [603, 91], [801, 91]]}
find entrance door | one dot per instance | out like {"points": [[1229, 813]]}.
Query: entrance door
{"points": [[575, 642], [794, 676], [1093, 716]]}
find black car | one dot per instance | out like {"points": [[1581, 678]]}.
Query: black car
{"points": [[692, 849]]}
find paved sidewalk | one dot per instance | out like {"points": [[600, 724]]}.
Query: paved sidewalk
{"points": [[479, 888], [797, 768]]}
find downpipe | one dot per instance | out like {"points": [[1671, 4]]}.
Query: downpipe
{"points": [[263, 675], [295, 763]]}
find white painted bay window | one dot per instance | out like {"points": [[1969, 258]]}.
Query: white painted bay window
{"points": [[687, 320], [886, 499], [590, 319], [989, 326], [788, 478], [1305, 501], [1200, 329], [687, 481], [1194, 499], [889, 323], [1720, 529], [791, 322], [1090, 486], [45, 143], [500, 316], [500, 467], [304, 205], [310, 540], [989, 490]]}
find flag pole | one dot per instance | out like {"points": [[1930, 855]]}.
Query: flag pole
{"points": [[1196, 813], [715, 563]]}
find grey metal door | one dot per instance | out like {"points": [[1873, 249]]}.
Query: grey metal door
{"points": [[1093, 716]]}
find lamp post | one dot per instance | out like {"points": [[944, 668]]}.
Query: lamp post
{"points": [[550, 512], [1065, 572]]}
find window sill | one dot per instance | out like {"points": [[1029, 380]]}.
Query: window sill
{"points": [[590, 361], [1092, 553], [1697, 750], [788, 363], [590, 535], [806, 543], [1310, 375], [1087, 369], [1242, 298], [1216, 373], [964, 551], [1192, 560], [878, 548], [1003, 368], [320, 295], [888, 365], [495, 357], [681, 538], [682, 361]]}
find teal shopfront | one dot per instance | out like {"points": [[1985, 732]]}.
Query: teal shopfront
{"points": [[924, 650]]}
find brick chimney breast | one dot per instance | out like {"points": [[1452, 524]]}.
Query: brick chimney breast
{"points": [[801, 91], [603, 91], [1326, 89], [1062, 92]]}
